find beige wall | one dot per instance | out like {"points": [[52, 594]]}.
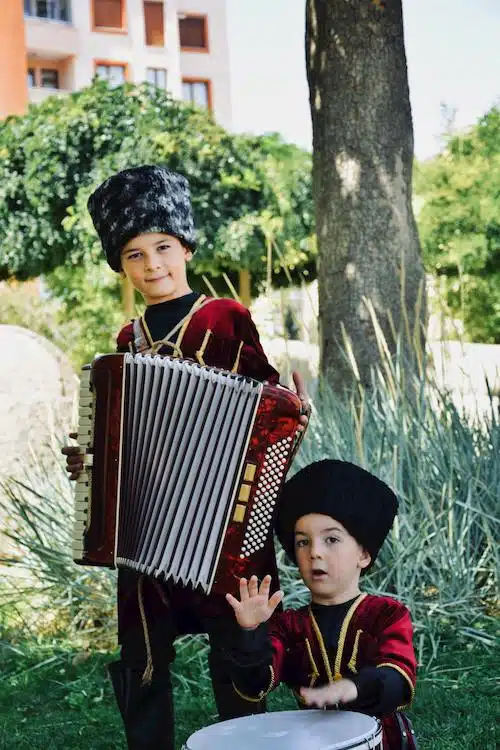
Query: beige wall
{"points": [[74, 48], [213, 65]]}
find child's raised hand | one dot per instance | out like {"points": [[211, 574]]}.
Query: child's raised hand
{"points": [[341, 691], [74, 458], [255, 606]]}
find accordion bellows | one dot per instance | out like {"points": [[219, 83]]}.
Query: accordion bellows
{"points": [[184, 464]]}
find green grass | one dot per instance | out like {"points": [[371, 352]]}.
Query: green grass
{"points": [[51, 697]]}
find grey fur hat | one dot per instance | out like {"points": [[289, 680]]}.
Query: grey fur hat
{"points": [[141, 200]]}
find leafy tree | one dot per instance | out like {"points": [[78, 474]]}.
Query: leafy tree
{"points": [[368, 248], [52, 158], [459, 223]]}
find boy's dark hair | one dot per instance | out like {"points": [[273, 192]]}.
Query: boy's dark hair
{"points": [[141, 200], [361, 502]]}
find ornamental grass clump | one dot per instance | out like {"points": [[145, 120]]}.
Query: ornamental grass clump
{"points": [[441, 557]]}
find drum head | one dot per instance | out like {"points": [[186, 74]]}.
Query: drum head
{"points": [[293, 730]]}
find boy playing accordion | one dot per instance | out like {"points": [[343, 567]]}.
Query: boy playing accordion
{"points": [[145, 223]]}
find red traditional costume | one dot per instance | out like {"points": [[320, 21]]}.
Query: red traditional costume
{"points": [[219, 333], [364, 639], [376, 632], [151, 614]]}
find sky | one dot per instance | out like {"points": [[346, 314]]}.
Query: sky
{"points": [[453, 56]]}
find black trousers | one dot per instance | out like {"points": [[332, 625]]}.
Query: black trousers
{"points": [[169, 611]]}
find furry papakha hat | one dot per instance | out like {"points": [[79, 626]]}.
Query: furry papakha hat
{"points": [[361, 502], [141, 200]]}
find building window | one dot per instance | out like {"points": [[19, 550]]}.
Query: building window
{"points": [[49, 78], [197, 92], [114, 74], [158, 77], [31, 78], [55, 10], [193, 33], [109, 14], [153, 21]]}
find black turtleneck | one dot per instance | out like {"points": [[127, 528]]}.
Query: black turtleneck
{"points": [[164, 316]]}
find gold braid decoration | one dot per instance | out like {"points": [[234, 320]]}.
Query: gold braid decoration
{"points": [[201, 351], [262, 693], [148, 672], [352, 661], [237, 360], [315, 672], [343, 634], [157, 345]]}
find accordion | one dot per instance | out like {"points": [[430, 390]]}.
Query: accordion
{"points": [[183, 465]]}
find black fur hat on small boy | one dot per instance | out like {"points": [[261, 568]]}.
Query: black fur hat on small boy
{"points": [[361, 502]]}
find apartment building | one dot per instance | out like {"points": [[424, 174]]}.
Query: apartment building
{"points": [[57, 46]]}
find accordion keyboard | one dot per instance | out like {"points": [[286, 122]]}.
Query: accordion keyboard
{"points": [[84, 481]]}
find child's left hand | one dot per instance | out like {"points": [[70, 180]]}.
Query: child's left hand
{"points": [[341, 691], [304, 398]]}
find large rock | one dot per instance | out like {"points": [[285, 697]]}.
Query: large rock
{"points": [[38, 389]]}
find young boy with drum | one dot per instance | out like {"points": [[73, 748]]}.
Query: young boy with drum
{"points": [[144, 219], [346, 648]]}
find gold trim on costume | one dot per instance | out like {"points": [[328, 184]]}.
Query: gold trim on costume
{"points": [[343, 634], [315, 672], [146, 330], [322, 648], [148, 672], [401, 671], [352, 661], [188, 317], [182, 324], [234, 368], [341, 643], [201, 351], [262, 693]]}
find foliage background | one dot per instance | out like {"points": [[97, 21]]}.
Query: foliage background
{"points": [[459, 225], [251, 197]]}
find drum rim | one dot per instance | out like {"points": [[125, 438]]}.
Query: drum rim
{"points": [[374, 736]]}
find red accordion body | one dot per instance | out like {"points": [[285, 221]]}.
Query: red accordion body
{"points": [[184, 465]]}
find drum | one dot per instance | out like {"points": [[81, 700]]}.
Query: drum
{"points": [[291, 730]]}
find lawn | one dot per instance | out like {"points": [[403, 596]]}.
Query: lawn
{"points": [[51, 697]]}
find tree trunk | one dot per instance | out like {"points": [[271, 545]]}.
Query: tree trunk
{"points": [[128, 298], [362, 172], [245, 290]]}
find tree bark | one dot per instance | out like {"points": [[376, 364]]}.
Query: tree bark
{"points": [[245, 287], [362, 172], [128, 298]]}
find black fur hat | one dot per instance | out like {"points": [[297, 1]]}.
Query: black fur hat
{"points": [[140, 200], [361, 502]]}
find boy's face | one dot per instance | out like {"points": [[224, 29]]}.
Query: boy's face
{"points": [[330, 560], [155, 263]]}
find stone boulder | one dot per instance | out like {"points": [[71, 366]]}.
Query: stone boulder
{"points": [[38, 392]]}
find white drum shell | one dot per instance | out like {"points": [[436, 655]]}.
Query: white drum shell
{"points": [[293, 730]]}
